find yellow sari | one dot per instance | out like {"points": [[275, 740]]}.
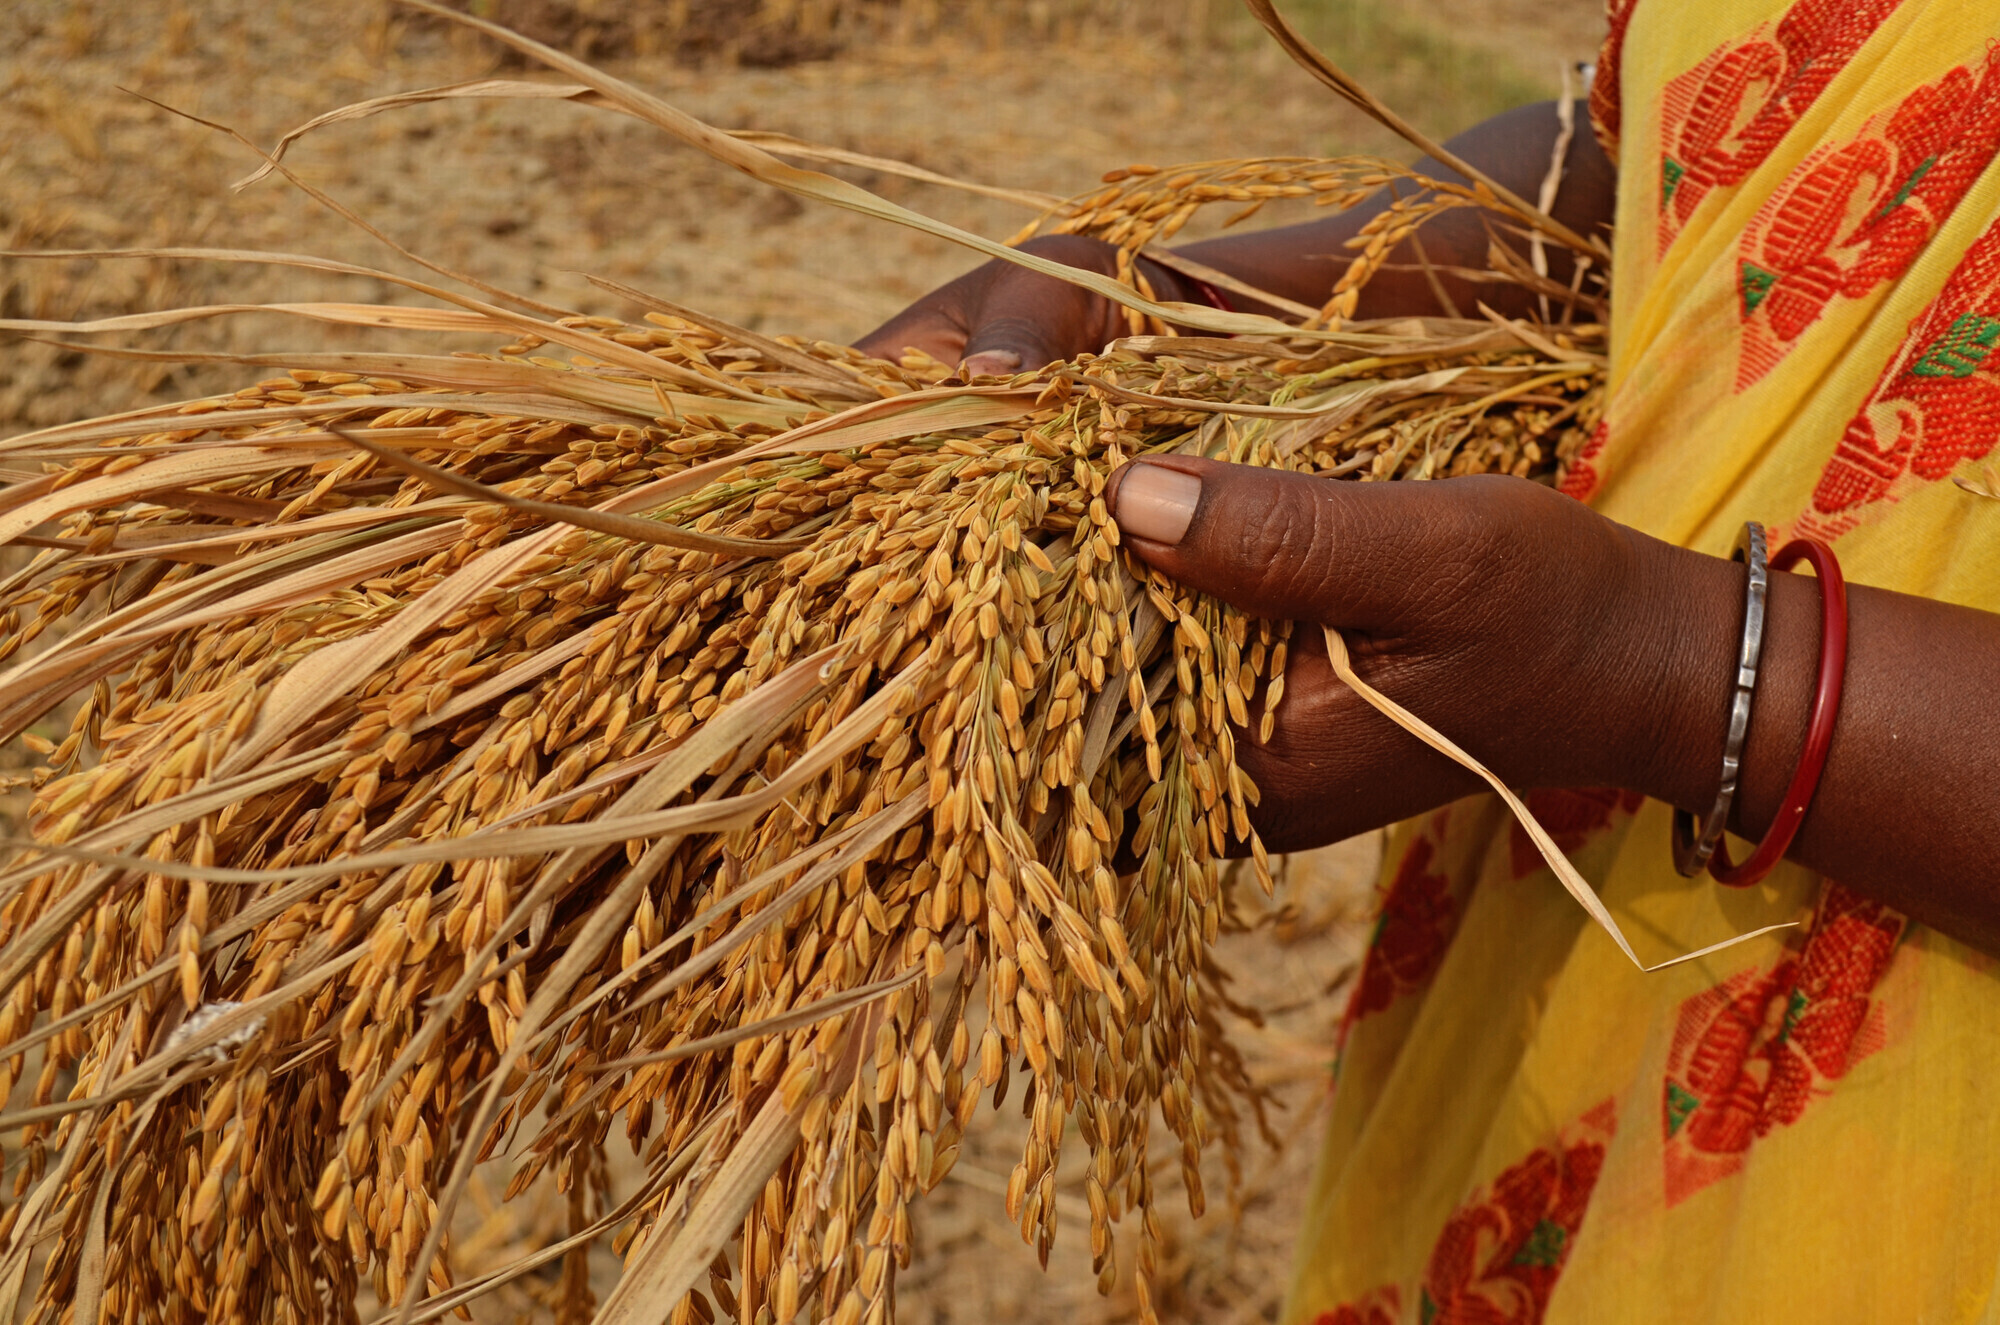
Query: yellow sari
{"points": [[1801, 1128]]}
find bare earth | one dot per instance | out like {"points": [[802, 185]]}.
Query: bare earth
{"points": [[529, 195]]}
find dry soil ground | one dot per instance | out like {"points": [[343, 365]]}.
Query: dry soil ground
{"points": [[1043, 94]]}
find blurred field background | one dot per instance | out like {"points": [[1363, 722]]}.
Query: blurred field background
{"points": [[1040, 94]]}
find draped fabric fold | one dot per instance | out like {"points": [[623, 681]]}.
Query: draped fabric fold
{"points": [[1806, 307]]}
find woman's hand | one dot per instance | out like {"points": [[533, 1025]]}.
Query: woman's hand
{"points": [[1514, 620], [1562, 649], [1001, 318]]}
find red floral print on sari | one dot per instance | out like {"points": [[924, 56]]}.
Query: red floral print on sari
{"points": [[1383, 1306], [1937, 402], [1419, 916], [1751, 1054], [1572, 816], [1727, 115], [1721, 119], [1606, 109], [1852, 216], [1580, 478], [1499, 1256]]}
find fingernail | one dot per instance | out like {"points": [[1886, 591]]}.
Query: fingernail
{"points": [[992, 363], [1155, 503]]}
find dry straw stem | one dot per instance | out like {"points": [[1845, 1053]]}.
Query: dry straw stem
{"points": [[1987, 485], [426, 804], [1572, 882], [1314, 62], [762, 165], [778, 144]]}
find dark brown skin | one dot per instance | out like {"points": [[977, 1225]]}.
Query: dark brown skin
{"points": [[999, 317], [1560, 648]]}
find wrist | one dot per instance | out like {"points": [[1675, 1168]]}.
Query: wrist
{"points": [[1673, 702], [1574, 651], [1680, 700]]}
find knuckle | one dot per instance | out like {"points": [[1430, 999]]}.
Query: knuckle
{"points": [[1024, 335], [1070, 250], [1302, 543], [1280, 539]]}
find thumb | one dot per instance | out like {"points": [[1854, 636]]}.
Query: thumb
{"points": [[1022, 328], [1025, 319], [1285, 545]]}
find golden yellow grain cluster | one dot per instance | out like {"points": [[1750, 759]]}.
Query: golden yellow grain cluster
{"points": [[404, 826]]}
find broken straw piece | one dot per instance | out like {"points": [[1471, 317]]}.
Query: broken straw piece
{"points": [[1585, 895]]}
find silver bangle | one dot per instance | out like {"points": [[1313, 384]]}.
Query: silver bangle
{"points": [[1691, 848]]}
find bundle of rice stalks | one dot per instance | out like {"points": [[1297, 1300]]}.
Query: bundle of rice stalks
{"points": [[727, 737]]}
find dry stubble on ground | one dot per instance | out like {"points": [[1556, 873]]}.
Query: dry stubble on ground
{"points": [[1043, 94]]}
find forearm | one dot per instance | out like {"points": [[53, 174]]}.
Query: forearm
{"points": [[1565, 650], [999, 318], [1908, 809], [1302, 262]]}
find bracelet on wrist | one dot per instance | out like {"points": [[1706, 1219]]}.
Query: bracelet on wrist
{"points": [[1784, 826], [1695, 842], [1698, 844]]}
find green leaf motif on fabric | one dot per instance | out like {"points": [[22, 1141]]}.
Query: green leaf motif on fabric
{"points": [[1963, 347], [1671, 174], [1753, 283], [1909, 186], [1795, 1008], [1680, 1103], [1427, 1310], [1544, 1247]]}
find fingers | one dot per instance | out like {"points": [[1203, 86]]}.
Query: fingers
{"points": [[1333, 766], [935, 324], [992, 363], [1026, 320], [1363, 556], [1001, 318]]}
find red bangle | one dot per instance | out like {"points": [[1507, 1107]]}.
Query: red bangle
{"points": [[1213, 297], [1819, 731]]}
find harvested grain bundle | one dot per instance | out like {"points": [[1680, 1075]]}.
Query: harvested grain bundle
{"points": [[874, 699], [692, 728]]}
